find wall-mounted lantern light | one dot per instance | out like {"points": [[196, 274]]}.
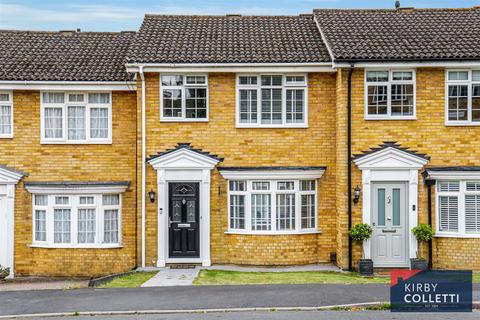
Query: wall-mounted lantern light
{"points": [[151, 195], [356, 194]]}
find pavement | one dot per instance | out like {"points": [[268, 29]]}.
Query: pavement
{"points": [[41, 284], [167, 277], [189, 298], [289, 315]]}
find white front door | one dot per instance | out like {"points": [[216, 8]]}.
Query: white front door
{"points": [[389, 222], [6, 239]]}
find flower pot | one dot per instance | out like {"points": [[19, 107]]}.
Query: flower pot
{"points": [[365, 267], [418, 264], [4, 272]]}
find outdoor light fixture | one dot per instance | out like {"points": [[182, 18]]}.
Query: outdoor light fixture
{"points": [[356, 194], [151, 195]]}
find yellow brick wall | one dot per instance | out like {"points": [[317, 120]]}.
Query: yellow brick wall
{"points": [[252, 147], [446, 145], [115, 162]]}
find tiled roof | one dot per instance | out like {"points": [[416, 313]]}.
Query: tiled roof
{"points": [[186, 146], [228, 39], [63, 56], [401, 34], [391, 144]]}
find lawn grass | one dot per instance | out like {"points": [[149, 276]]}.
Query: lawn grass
{"points": [[476, 277], [222, 277], [132, 280]]}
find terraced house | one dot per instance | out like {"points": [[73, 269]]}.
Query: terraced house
{"points": [[255, 140]]}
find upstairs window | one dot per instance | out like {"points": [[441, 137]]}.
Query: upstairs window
{"points": [[463, 97], [390, 94], [6, 114], [183, 98], [76, 117], [272, 101]]}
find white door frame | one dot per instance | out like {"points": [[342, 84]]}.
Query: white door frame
{"points": [[8, 179], [391, 165], [188, 166]]}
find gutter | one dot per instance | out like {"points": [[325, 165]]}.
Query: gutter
{"points": [[144, 156], [349, 165]]}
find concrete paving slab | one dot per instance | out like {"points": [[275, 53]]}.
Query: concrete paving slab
{"points": [[167, 277]]}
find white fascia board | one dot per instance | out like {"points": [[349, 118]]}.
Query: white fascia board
{"points": [[75, 190], [271, 174], [8, 176], [69, 85], [233, 67], [372, 160], [388, 64], [182, 159], [454, 175]]}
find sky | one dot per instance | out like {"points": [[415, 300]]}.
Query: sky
{"points": [[109, 15]]}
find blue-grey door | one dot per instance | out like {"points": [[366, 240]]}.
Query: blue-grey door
{"points": [[389, 222]]}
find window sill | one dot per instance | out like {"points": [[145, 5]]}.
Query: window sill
{"points": [[6, 136], [409, 118], [460, 124], [70, 246], [183, 120], [461, 236], [270, 233], [75, 142], [247, 126]]}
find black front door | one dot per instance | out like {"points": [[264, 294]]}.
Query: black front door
{"points": [[184, 224]]}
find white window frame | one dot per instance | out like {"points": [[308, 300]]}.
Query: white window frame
{"points": [[389, 83], [10, 104], [461, 233], [184, 86], [64, 106], [284, 87], [74, 205], [273, 192], [469, 84]]}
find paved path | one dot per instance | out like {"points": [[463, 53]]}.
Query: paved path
{"points": [[167, 277], [289, 315], [187, 298]]}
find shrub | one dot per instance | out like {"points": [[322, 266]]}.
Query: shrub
{"points": [[4, 272], [361, 232], [423, 232]]}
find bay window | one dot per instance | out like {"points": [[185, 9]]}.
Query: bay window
{"points": [[183, 98], [463, 97], [272, 101], [389, 94], [76, 117], [77, 220], [458, 208], [6, 114], [272, 206]]}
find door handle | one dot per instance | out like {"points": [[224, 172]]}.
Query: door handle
{"points": [[169, 222], [389, 218]]}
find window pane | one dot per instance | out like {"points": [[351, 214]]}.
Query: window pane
{"points": [[173, 80], [87, 200], [295, 106], [4, 97], [5, 119], [41, 200], [377, 100], [402, 76], [111, 200], [247, 80], [237, 211], [448, 186], [99, 123], [381, 207], [285, 211], [110, 234], [196, 103], [86, 226], [61, 200], [458, 102], [40, 225], [196, 80], [308, 211], [396, 207], [261, 185], [377, 76], [53, 97], [248, 106], [76, 123], [402, 99], [473, 186], [476, 102], [295, 79], [238, 186], [61, 225], [271, 106], [448, 213], [172, 103], [76, 97], [458, 75], [307, 185], [53, 123], [476, 75], [261, 212], [285, 185], [472, 213], [272, 80], [99, 98]]}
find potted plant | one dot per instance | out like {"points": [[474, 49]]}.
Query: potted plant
{"points": [[423, 232], [4, 272], [362, 232]]}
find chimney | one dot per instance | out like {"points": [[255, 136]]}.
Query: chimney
{"points": [[397, 4]]}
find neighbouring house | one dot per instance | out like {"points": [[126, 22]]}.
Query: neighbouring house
{"points": [[254, 140]]}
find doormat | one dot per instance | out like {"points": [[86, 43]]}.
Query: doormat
{"points": [[182, 266]]}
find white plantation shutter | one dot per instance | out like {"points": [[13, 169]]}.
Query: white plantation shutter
{"points": [[448, 213], [472, 213], [449, 186]]}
